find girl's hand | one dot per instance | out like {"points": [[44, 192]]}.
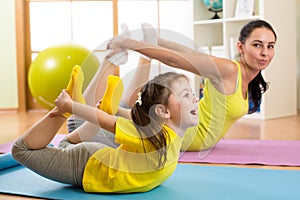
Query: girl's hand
{"points": [[54, 112], [63, 102]]}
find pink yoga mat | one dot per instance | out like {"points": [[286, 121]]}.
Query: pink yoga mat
{"points": [[265, 152]]}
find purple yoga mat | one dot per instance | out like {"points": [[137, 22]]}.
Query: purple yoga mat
{"points": [[5, 148], [265, 152]]}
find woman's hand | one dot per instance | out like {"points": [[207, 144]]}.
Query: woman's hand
{"points": [[116, 44]]}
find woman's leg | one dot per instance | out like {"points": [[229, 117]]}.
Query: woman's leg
{"points": [[141, 74], [140, 77], [97, 86]]}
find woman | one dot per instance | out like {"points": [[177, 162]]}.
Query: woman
{"points": [[228, 85], [149, 143]]}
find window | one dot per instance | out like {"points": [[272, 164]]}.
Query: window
{"points": [[84, 22], [91, 23]]}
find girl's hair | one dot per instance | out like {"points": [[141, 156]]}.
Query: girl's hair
{"points": [[258, 85], [148, 123]]}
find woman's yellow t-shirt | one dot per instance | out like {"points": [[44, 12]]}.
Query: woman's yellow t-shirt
{"points": [[217, 113], [128, 168]]}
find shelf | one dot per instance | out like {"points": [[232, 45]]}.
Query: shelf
{"points": [[234, 19], [220, 21], [210, 21]]}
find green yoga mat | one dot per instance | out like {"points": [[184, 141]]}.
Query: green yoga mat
{"points": [[188, 182]]}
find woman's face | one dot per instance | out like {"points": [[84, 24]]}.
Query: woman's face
{"points": [[258, 50], [183, 104]]}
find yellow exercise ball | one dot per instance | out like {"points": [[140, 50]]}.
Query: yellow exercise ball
{"points": [[50, 71]]}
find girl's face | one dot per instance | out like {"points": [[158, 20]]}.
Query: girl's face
{"points": [[258, 50], [183, 104]]}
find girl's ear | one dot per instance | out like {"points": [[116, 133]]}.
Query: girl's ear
{"points": [[162, 111]]}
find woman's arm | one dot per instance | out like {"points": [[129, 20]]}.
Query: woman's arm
{"points": [[175, 46], [201, 64]]}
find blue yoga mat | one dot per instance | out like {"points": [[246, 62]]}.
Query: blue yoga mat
{"points": [[188, 182], [7, 161]]}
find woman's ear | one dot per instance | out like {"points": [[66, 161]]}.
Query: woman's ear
{"points": [[162, 111], [240, 47]]}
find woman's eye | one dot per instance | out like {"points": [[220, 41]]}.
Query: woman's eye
{"points": [[257, 45]]}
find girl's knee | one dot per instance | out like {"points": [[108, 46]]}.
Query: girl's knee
{"points": [[18, 150]]}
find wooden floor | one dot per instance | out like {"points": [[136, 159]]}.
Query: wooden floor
{"points": [[13, 124]]}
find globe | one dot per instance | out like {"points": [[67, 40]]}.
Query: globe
{"points": [[214, 6]]}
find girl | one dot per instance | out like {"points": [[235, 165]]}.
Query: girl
{"points": [[149, 143], [228, 85]]}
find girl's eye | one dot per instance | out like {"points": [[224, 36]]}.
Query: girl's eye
{"points": [[190, 94], [271, 47]]}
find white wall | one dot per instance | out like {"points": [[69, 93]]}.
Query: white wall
{"points": [[8, 75]]}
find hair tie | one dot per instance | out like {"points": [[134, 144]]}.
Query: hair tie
{"points": [[139, 100]]}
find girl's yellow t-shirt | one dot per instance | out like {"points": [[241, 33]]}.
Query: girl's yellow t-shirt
{"points": [[131, 167], [217, 113]]}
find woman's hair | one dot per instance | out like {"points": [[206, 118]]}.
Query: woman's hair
{"points": [[148, 123], [258, 85]]}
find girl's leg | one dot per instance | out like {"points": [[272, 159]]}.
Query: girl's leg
{"points": [[43, 131], [58, 164], [64, 164], [96, 89], [81, 130], [91, 133], [92, 94], [97, 86]]}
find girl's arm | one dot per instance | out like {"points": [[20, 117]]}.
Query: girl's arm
{"points": [[64, 104], [124, 112], [94, 116]]}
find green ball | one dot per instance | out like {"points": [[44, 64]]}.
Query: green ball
{"points": [[51, 70]]}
